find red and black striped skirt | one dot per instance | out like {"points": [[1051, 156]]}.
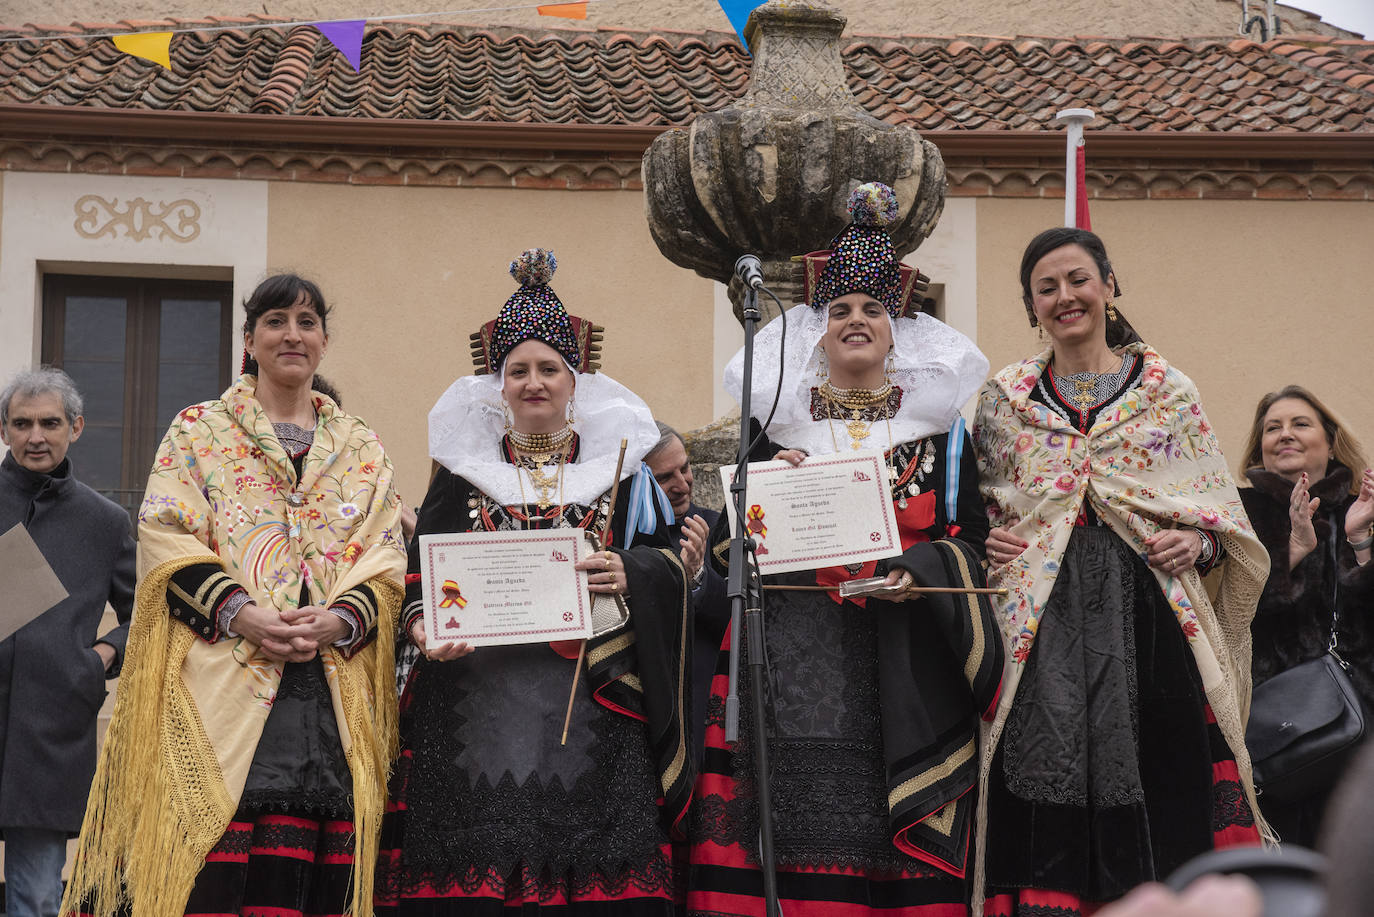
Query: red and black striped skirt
{"points": [[277, 865]]}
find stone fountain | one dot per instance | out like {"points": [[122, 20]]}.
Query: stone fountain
{"points": [[770, 175]]}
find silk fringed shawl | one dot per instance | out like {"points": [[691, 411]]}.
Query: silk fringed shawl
{"points": [[189, 714], [1151, 462]]}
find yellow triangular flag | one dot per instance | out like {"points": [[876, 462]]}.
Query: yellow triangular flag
{"points": [[153, 46], [565, 10]]}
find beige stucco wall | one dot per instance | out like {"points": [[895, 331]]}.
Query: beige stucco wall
{"points": [[866, 17], [1243, 296], [414, 271]]}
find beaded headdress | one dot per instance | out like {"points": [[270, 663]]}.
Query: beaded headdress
{"points": [[861, 258], [534, 312]]}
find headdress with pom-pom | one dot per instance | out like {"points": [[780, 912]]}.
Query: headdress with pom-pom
{"points": [[861, 258], [534, 312]]}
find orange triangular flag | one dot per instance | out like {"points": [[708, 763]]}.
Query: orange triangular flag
{"points": [[565, 10], [153, 46]]}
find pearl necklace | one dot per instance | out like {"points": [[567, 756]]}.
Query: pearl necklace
{"points": [[854, 400], [540, 442]]}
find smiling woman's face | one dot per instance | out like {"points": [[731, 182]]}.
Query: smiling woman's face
{"points": [[288, 343], [1292, 440], [537, 385], [1069, 296], [857, 338]]}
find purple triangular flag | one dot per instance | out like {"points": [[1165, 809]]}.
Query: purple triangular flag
{"points": [[347, 36]]}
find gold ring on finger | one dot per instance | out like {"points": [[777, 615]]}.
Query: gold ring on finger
{"points": [[612, 575], [615, 587]]}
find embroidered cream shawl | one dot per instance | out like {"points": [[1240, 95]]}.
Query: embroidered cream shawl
{"points": [[1150, 462], [189, 714]]}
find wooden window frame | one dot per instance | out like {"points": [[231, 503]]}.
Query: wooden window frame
{"points": [[142, 346]]}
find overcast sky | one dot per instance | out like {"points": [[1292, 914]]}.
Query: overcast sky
{"points": [[1356, 15]]}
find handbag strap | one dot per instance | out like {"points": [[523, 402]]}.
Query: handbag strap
{"points": [[1333, 560]]}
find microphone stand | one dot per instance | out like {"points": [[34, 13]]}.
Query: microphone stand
{"points": [[746, 603]]}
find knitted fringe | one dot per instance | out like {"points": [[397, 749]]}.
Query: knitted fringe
{"points": [[158, 803], [375, 741], [141, 839]]}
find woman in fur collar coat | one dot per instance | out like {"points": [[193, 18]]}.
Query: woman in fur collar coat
{"points": [[1312, 504]]}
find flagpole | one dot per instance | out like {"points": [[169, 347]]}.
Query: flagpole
{"points": [[1074, 118]]}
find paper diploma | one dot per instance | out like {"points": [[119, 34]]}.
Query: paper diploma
{"points": [[488, 588], [827, 511]]}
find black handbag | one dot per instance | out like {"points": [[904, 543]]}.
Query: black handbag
{"points": [[1305, 722]]}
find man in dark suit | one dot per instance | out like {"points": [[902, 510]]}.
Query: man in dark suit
{"points": [[673, 470], [53, 669]]}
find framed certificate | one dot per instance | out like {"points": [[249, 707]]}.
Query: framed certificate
{"points": [[827, 511], [489, 588]]}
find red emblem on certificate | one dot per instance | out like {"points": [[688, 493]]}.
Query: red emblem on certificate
{"points": [[755, 524], [452, 595]]}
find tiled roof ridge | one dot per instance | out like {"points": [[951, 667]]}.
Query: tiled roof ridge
{"points": [[641, 78], [610, 33], [289, 72], [1355, 70]]}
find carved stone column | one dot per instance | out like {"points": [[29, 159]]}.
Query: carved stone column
{"points": [[770, 175]]}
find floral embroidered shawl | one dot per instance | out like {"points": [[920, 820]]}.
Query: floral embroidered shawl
{"points": [[189, 714], [1150, 462]]}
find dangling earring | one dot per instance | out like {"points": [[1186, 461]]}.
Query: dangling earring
{"points": [[1040, 332], [571, 417], [889, 365], [823, 368], [505, 413], [1111, 312]]}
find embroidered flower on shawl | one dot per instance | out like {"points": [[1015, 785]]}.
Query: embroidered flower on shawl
{"points": [[1157, 441], [348, 510], [1066, 483], [1024, 442]]}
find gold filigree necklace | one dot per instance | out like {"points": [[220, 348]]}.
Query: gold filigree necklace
{"points": [[855, 401], [535, 452]]}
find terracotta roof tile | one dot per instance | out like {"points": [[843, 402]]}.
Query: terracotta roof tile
{"points": [[612, 77]]}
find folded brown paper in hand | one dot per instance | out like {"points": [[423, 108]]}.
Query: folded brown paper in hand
{"points": [[27, 581]]}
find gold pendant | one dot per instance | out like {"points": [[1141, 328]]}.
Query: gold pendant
{"points": [[1085, 391], [544, 483], [858, 430]]}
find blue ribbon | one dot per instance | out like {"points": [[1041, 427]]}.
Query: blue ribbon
{"points": [[644, 493], [954, 453]]}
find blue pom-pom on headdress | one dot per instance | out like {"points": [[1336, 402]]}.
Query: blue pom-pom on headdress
{"points": [[534, 267], [873, 204]]}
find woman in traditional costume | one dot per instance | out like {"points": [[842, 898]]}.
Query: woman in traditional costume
{"points": [[875, 704], [1311, 501], [1118, 748], [245, 765], [491, 813]]}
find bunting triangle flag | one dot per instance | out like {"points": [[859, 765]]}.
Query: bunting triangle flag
{"points": [[347, 36], [738, 12], [151, 46], [565, 10]]}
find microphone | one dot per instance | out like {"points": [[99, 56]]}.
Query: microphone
{"points": [[749, 270]]}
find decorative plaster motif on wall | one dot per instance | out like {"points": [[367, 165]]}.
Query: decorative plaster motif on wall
{"points": [[140, 219]]}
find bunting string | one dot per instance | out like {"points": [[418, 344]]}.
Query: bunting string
{"points": [[346, 35], [255, 26]]}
